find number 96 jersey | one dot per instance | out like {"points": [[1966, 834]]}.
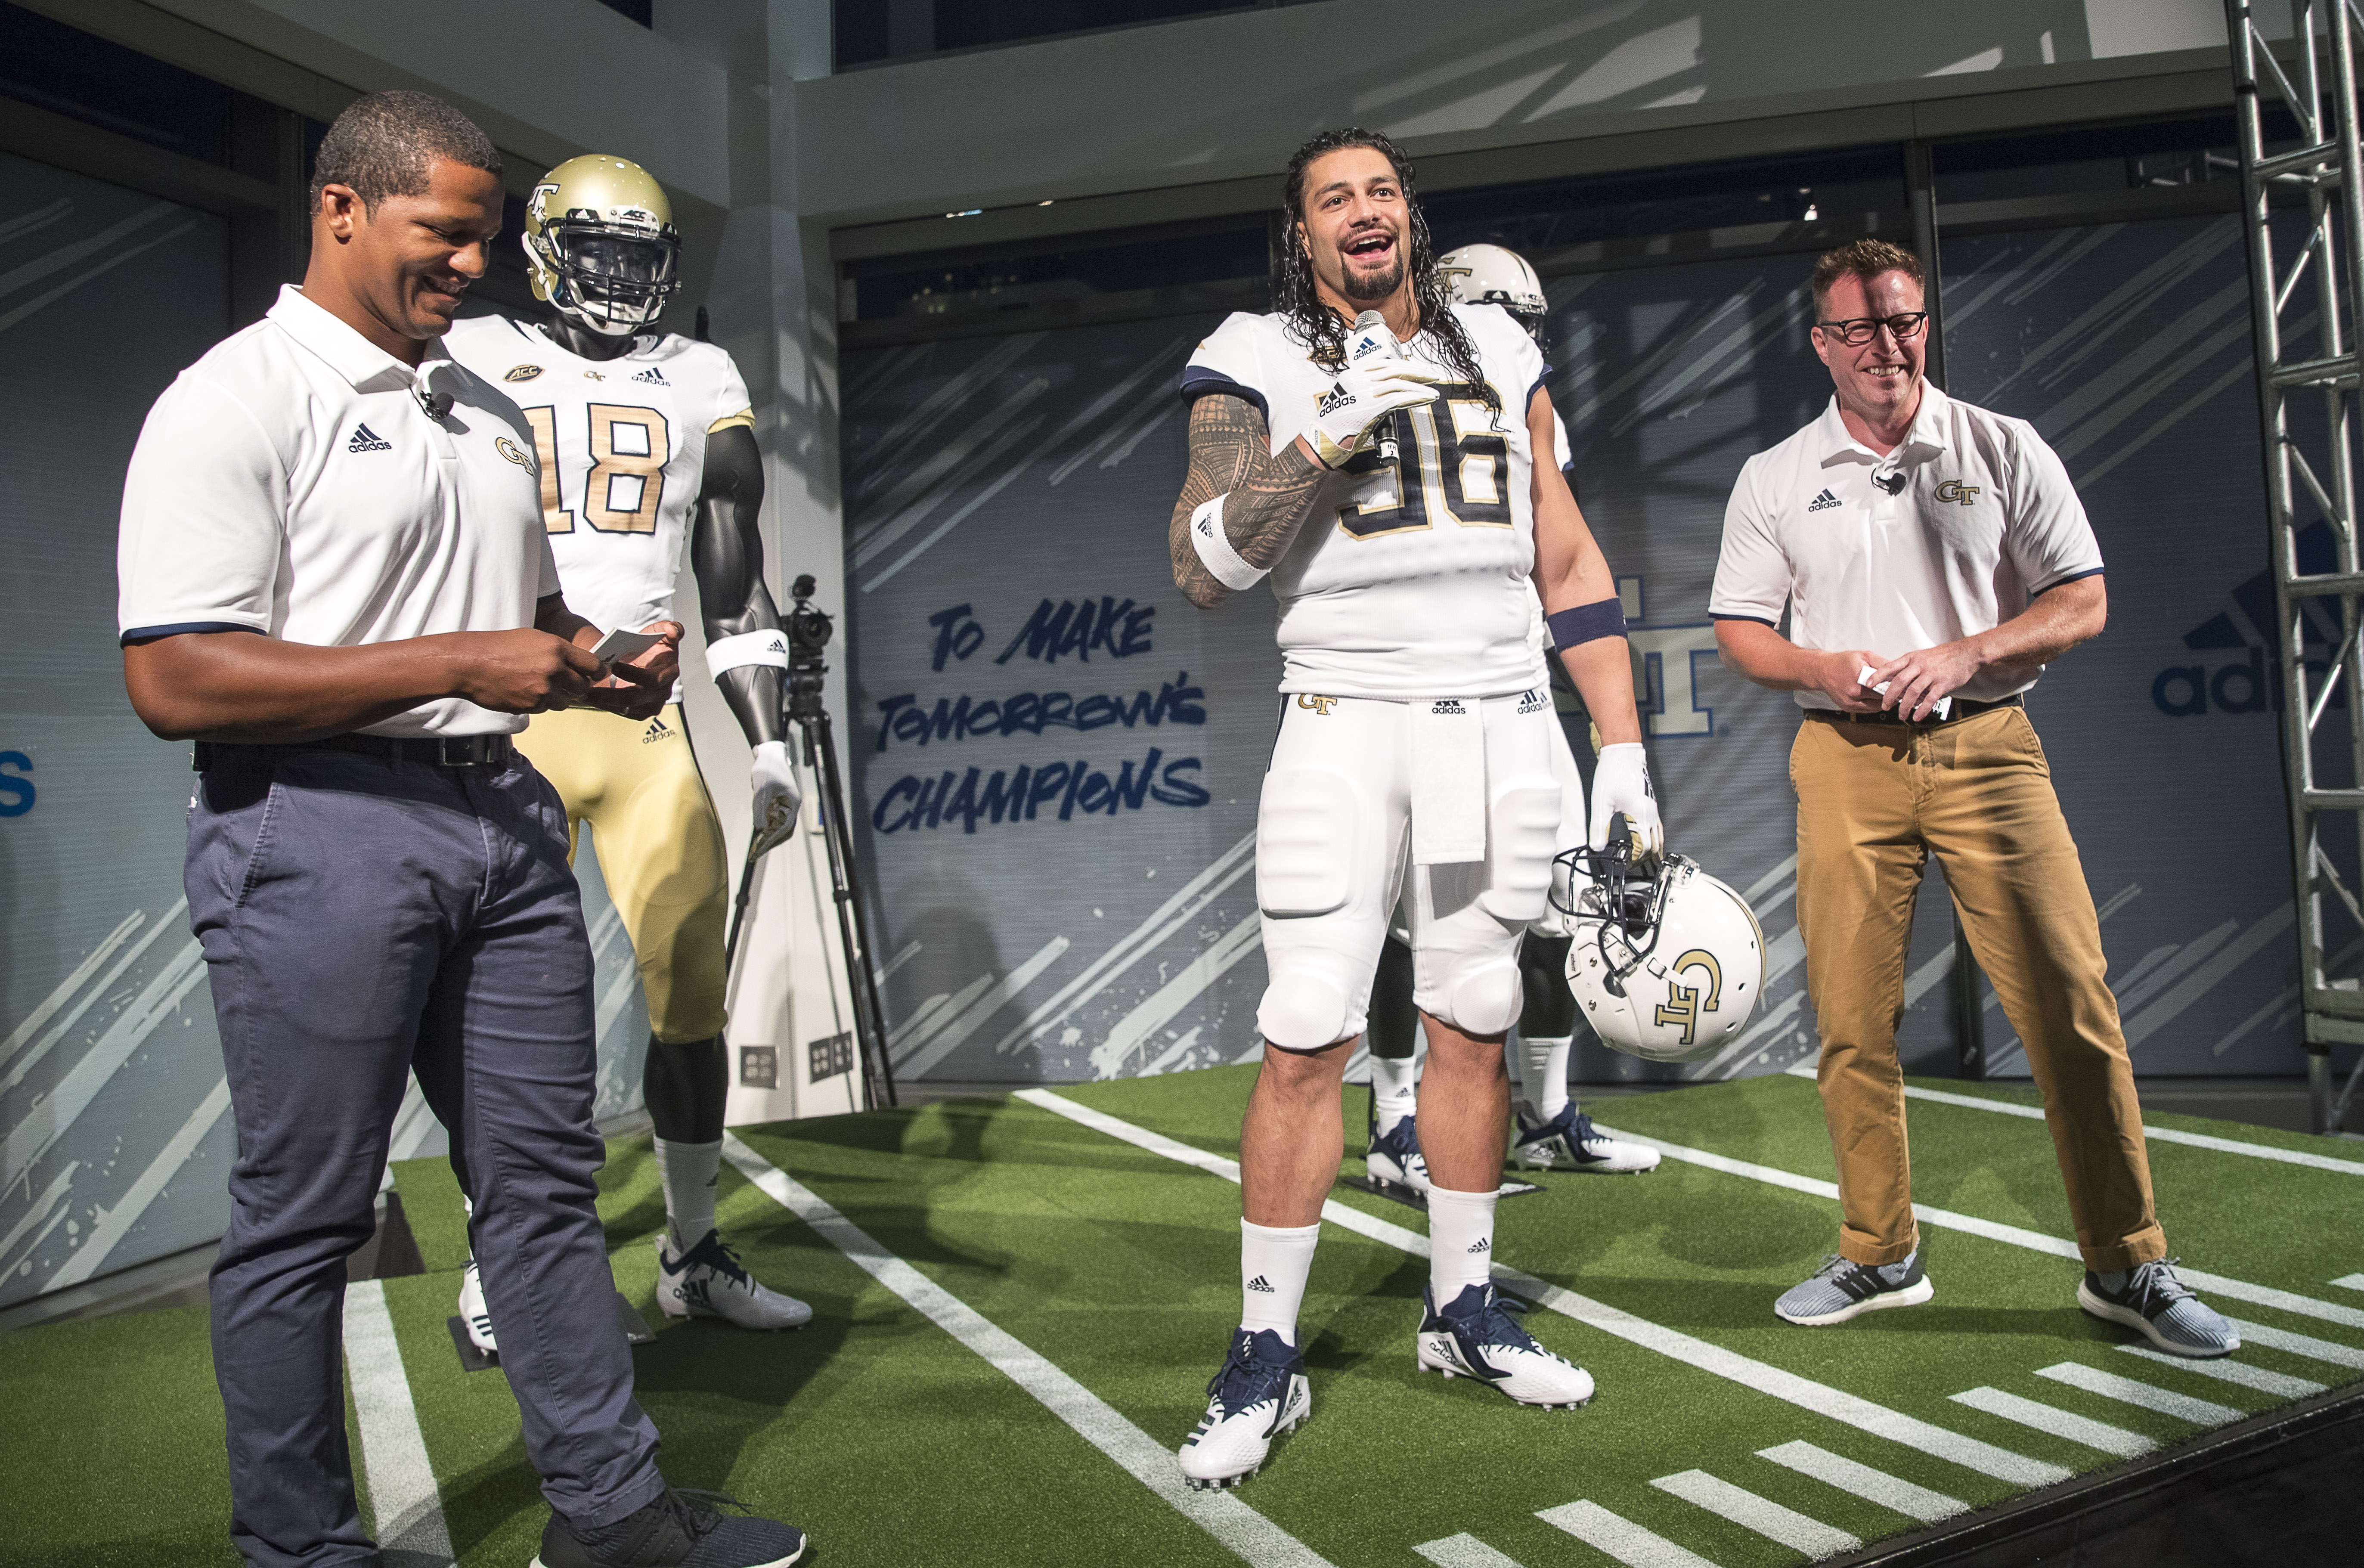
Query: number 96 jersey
{"points": [[1418, 585], [622, 447]]}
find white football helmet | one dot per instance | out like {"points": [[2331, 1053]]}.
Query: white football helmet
{"points": [[1666, 967], [1488, 274]]}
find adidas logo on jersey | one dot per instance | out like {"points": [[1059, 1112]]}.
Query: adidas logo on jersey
{"points": [[1258, 1284], [368, 440], [655, 732], [1823, 503], [1450, 705], [653, 377], [1330, 401]]}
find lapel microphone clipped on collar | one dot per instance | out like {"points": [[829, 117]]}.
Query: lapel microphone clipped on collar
{"points": [[436, 404]]}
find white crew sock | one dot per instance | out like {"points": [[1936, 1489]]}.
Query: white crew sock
{"points": [[1544, 1073], [1394, 1089], [1275, 1262], [689, 1171], [1460, 1243]]}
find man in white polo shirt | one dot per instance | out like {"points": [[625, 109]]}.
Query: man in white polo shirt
{"points": [[1932, 558], [334, 577]]}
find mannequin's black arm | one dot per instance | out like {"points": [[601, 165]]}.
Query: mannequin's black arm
{"points": [[726, 554]]}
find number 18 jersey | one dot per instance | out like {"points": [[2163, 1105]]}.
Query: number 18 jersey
{"points": [[1418, 586], [622, 447]]}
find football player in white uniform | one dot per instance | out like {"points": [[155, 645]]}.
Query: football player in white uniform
{"points": [[1552, 1130], [646, 444], [1379, 470]]}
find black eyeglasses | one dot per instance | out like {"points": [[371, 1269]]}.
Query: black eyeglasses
{"points": [[1862, 329]]}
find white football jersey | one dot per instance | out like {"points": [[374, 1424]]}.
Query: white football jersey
{"points": [[1419, 585], [622, 450]]}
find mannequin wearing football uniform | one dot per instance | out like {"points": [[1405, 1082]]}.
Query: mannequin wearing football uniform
{"points": [[1552, 1131], [1369, 446], [645, 447]]}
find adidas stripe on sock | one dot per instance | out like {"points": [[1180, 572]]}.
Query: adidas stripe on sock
{"points": [[1275, 1262], [1393, 1079], [1460, 1241]]}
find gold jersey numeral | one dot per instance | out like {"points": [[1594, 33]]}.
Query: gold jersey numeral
{"points": [[544, 424], [630, 448]]}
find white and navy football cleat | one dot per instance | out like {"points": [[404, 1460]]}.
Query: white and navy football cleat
{"points": [[473, 1312], [708, 1281], [1570, 1141], [1395, 1157], [1475, 1335], [1260, 1393]]}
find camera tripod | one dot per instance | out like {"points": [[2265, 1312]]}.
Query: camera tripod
{"points": [[808, 631]]}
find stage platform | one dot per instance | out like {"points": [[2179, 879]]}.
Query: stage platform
{"points": [[1019, 1300]]}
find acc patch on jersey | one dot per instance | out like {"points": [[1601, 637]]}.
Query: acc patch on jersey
{"points": [[522, 372]]}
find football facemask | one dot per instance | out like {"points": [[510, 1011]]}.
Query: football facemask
{"points": [[601, 244], [1666, 962]]}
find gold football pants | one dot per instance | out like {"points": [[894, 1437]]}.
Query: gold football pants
{"points": [[1873, 801], [660, 849]]}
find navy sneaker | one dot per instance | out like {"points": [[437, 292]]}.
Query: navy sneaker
{"points": [[1260, 1393], [675, 1531], [1570, 1142], [1841, 1290], [1475, 1335], [1395, 1157], [2150, 1299]]}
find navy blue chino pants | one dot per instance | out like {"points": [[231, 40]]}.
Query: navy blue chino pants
{"points": [[363, 919]]}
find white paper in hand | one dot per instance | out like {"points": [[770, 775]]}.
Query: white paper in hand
{"points": [[621, 644], [1862, 678]]}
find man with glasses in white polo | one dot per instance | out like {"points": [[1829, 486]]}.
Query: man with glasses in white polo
{"points": [[1931, 558]]}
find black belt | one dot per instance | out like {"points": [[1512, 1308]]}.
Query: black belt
{"points": [[446, 752], [1963, 708]]}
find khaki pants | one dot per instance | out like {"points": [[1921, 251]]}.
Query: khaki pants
{"points": [[1873, 800]]}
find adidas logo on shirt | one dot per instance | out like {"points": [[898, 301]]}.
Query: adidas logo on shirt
{"points": [[1823, 503], [653, 377], [368, 440], [1258, 1284]]}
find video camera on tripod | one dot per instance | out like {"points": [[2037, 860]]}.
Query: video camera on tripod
{"points": [[808, 629]]}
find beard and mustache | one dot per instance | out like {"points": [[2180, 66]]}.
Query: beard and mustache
{"points": [[1364, 287]]}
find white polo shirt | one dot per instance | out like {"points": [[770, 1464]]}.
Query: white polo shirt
{"points": [[290, 483], [1984, 519]]}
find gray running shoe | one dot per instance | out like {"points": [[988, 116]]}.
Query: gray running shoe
{"points": [[2151, 1300], [1841, 1290]]}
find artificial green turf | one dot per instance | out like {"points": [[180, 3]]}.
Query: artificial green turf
{"points": [[892, 1443]]}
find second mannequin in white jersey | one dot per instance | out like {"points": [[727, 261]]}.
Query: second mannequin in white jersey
{"points": [[644, 444], [1553, 1132], [1380, 472]]}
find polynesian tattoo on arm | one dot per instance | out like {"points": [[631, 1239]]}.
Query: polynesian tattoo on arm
{"points": [[1269, 495]]}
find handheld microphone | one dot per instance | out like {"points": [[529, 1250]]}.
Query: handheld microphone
{"points": [[1373, 338]]}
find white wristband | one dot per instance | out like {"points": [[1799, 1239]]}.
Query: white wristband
{"points": [[1215, 547], [748, 648]]}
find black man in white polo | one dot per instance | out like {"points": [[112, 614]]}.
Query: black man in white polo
{"points": [[335, 578], [1932, 558]]}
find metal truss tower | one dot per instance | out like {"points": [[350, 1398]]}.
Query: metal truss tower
{"points": [[2306, 282]]}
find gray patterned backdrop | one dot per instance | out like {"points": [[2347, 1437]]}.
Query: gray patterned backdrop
{"points": [[1002, 489]]}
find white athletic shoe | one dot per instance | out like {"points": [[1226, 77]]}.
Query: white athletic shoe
{"points": [[1476, 1336], [1260, 1393], [479, 1321], [1570, 1142], [708, 1281], [1395, 1157]]}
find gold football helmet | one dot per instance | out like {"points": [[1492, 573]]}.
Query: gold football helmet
{"points": [[600, 243]]}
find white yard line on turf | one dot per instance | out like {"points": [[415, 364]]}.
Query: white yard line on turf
{"points": [[2157, 1134], [2012, 1235], [2353, 1282], [1762, 1515], [403, 1495], [1620, 1538], [2297, 1344], [1846, 1408], [1255, 1539], [1873, 1485], [1463, 1550], [2110, 1385], [2058, 1423], [2224, 1369]]}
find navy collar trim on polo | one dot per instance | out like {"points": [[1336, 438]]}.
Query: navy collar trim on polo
{"points": [[368, 367]]}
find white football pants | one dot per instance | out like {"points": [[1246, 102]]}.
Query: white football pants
{"points": [[1333, 851]]}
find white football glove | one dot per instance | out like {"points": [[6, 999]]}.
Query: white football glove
{"points": [[1359, 401], [1620, 785], [776, 795]]}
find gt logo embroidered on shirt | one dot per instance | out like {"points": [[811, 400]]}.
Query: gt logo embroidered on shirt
{"points": [[1319, 705], [511, 451], [1954, 490]]}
